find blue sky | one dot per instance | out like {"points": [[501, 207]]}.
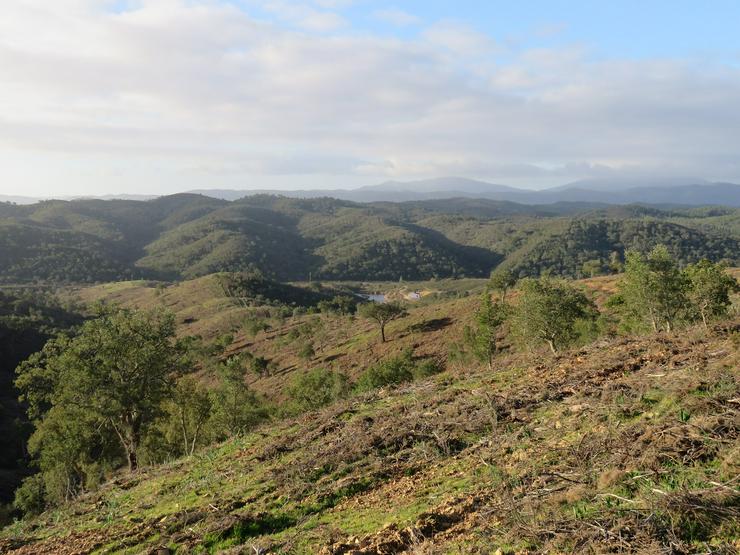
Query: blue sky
{"points": [[617, 29], [159, 96]]}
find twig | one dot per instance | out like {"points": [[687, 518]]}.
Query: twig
{"points": [[616, 497]]}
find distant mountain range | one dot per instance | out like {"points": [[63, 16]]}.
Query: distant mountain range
{"points": [[666, 192], [658, 191], [33, 200], [18, 200]]}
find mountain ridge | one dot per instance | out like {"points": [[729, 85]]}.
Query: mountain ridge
{"points": [[663, 192], [186, 236], [659, 191]]}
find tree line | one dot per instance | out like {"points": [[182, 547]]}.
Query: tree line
{"points": [[652, 294]]}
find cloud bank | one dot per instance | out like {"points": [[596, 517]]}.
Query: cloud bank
{"points": [[164, 95]]}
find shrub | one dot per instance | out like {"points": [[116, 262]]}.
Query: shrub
{"points": [[480, 337], [306, 351], [317, 388], [253, 327], [426, 368], [549, 311], [654, 291], [390, 372], [30, 497], [222, 343], [710, 289], [236, 408], [260, 366]]}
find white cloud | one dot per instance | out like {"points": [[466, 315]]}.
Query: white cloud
{"points": [[305, 16], [334, 4], [178, 94], [394, 16], [460, 39]]}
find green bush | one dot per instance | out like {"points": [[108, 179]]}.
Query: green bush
{"points": [[390, 372], [317, 388], [427, 368], [306, 351], [221, 343], [260, 366], [253, 327], [30, 497]]}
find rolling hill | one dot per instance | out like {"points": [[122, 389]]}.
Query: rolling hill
{"points": [[627, 445], [186, 236]]}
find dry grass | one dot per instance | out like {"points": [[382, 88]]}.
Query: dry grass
{"points": [[628, 445]]}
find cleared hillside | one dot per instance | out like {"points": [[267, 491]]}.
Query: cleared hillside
{"points": [[432, 329], [626, 445]]}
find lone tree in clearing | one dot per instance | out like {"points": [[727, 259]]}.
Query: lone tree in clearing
{"points": [[502, 280], [548, 310], [382, 313]]}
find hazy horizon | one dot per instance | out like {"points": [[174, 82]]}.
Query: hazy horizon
{"points": [[154, 97], [628, 183]]}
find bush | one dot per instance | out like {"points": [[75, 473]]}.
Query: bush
{"points": [[427, 368], [390, 372], [317, 388], [306, 351], [253, 327], [260, 366], [236, 409], [549, 311], [222, 343], [340, 304], [30, 497]]}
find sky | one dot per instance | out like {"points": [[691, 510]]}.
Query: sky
{"points": [[161, 96]]}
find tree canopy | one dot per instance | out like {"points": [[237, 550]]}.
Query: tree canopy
{"points": [[653, 289], [107, 381], [481, 336], [382, 313], [548, 310], [710, 289]]}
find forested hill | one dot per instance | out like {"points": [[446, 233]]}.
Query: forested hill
{"points": [[27, 320], [185, 236]]}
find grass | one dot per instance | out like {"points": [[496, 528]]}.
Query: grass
{"points": [[544, 453]]}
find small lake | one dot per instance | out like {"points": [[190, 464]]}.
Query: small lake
{"points": [[373, 297]]}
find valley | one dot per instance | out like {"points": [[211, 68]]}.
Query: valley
{"points": [[319, 437]]}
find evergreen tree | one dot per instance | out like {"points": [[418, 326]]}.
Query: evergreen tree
{"points": [[112, 376], [502, 280], [382, 313], [236, 407], [653, 289], [481, 336], [710, 289], [548, 311]]}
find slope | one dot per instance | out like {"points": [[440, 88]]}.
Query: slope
{"points": [[628, 445]]}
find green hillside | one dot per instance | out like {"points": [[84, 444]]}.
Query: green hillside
{"points": [[27, 320], [625, 446], [186, 236], [276, 420]]}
